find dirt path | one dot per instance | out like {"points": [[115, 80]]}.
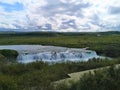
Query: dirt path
{"points": [[77, 75]]}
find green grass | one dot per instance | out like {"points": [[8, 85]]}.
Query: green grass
{"points": [[106, 44], [76, 41], [39, 75]]}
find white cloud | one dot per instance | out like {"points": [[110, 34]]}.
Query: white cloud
{"points": [[88, 15], [68, 1]]}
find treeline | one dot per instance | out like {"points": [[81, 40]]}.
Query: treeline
{"points": [[56, 33], [40, 75]]}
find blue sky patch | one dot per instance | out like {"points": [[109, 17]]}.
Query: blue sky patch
{"points": [[12, 7]]}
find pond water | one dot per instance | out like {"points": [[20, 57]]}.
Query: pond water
{"points": [[31, 53]]}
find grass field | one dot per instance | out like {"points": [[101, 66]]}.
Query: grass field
{"points": [[104, 43], [40, 75]]}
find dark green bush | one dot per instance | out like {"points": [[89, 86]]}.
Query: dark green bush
{"points": [[7, 83], [2, 57], [112, 51], [40, 75], [9, 54]]}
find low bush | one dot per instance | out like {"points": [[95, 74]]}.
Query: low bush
{"points": [[9, 54], [107, 79]]}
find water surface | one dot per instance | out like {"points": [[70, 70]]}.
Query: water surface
{"points": [[31, 53]]}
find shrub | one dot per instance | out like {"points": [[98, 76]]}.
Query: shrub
{"points": [[2, 57], [7, 83], [9, 54], [107, 79], [112, 51]]}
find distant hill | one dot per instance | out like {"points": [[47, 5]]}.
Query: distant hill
{"points": [[49, 33]]}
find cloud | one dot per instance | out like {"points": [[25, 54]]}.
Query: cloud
{"points": [[114, 10], [61, 15]]}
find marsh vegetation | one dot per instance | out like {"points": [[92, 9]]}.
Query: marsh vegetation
{"points": [[106, 43], [40, 75]]}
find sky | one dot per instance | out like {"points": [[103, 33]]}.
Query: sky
{"points": [[60, 15]]}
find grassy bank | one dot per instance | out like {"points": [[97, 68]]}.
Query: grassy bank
{"points": [[39, 75], [107, 44]]}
